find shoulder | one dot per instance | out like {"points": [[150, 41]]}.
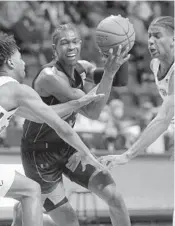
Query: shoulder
{"points": [[88, 67], [7, 79], [51, 72]]}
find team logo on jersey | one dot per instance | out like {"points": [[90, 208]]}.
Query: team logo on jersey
{"points": [[163, 92], [1, 182]]}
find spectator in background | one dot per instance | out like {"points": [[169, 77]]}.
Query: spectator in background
{"points": [[113, 128]]}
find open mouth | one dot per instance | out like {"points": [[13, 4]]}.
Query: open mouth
{"points": [[153, 51], [71, 56]]}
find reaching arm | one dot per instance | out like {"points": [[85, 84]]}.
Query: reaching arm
{"points": [[26, 97], [157, 126], [63, 110]]}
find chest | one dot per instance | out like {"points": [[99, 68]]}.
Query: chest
{"points": [[163, 86]]}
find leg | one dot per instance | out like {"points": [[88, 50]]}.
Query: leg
{"points": [[104, 187], [102, 184], [44, 167], [17, 217], [59, 209], [29, 194], [64, 215]]}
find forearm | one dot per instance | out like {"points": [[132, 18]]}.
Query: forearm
{"points": [[151, 133], [94, 109], [64, 130], [66, 108]]}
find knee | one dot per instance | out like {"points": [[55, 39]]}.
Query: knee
{"points": [[115, 198]]}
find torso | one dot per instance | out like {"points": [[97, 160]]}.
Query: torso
{"points": [[163, 85], [5, 115], [34, 132]]}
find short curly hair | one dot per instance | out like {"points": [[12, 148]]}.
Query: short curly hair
{"points": [[8, 47]]}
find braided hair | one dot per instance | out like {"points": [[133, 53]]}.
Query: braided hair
{"points": [[164, 21], [8, 47], [63, 27]]}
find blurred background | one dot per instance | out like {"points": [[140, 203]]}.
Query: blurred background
{"points": [[146, 182]]}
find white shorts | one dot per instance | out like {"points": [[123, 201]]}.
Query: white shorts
{"points": [[7, 177]]}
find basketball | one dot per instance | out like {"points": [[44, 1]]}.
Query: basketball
{"points": [[114, 31]]}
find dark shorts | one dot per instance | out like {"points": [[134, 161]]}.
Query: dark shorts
{"points": [[46, 166]]}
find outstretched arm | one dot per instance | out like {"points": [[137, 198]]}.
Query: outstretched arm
{"points": [[154, 129], [157, 126], [63, 110], [26, 97]]}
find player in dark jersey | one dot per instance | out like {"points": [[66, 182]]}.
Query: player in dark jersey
{"points": [[45, 156], [22, 100]]}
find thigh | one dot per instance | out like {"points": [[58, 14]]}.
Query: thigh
{"points": [[92, 174], [7, 177], [43, 167]]}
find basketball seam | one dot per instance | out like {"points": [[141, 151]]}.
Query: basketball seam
{"points": [[124, 32], [110, 32], [117, 42]]}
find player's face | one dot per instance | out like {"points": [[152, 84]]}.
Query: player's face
{"points": [[68, 47], [160, 43], [18, 66]]}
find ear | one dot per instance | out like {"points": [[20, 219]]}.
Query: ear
{"points": [[54, 51], [53, 47], [172, 44], [10, 63]]}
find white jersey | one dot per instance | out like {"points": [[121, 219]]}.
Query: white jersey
{"points": [[163, 84], [5, 116]]}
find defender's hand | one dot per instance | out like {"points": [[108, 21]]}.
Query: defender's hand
{"points": [[77, 158], [90, 97], [110, 161]]}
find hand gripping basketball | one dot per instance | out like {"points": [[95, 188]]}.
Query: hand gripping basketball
{"points": [[115, 59]]}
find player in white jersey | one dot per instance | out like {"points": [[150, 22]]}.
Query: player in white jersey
{"points": [[22, 100], [161, 48]]}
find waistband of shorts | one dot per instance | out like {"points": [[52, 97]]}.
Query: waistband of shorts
{"points": [[39, 145]]}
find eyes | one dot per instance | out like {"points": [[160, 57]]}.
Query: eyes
{"points": [[155, 35], [67, 42]]}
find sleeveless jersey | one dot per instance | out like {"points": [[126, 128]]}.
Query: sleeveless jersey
{"points": [[34, 132], [163, 84], [5, 116]]}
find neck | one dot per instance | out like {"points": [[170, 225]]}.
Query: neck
{"points": [[69, 69], [4, 72]]}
